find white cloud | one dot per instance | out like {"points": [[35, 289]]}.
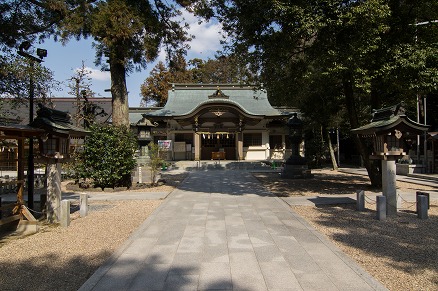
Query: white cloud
{"points": [[97, 75], [207, 36]]}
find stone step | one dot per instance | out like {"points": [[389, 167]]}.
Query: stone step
{"points": [[224, 165]]}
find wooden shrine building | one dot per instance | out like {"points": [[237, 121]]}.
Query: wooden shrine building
{"points": [[220, 121]]}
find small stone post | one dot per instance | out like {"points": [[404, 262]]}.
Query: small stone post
{"points": [[360, 200], [83, 210], [140, 176], [418, 193], [399, 202], [381, 207], [422, 203], [389, 186], [65, 213]]}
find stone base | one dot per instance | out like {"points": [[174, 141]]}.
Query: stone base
{"points": [[406, 169], [26, 227], [296, 172]]}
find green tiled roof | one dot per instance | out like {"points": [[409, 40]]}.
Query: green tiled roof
{"points": [[185, 100], [386, 125]]}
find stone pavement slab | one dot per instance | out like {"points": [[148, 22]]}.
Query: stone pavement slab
{"points": [[222, 231]]}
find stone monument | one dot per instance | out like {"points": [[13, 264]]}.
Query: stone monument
{"points": [[296, 165]]}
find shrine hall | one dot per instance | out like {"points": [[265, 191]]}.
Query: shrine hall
{"points": [[218, 121]]}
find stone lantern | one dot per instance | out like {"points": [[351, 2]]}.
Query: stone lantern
{"points": [[296, 165], [54, 149], [390, 131], [144, 136]]}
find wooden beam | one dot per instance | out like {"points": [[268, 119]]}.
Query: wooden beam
{"points": [[26, 213], [10, 219], [8, 206]]}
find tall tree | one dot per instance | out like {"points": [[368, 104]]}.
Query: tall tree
{"points": [[29, 20], [369, 52], [128, 34], [80, 87], [154, 88], [15, 75]]}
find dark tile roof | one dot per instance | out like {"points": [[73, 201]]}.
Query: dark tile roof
{"points": [[20, 113]]}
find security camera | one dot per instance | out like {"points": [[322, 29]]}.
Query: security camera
{"points": [[42, 53]]}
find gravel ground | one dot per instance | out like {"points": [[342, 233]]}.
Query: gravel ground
{"points": [[401, 252], [59, 258]]}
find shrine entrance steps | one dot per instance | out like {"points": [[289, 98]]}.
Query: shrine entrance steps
{"points": [[204, 165]]}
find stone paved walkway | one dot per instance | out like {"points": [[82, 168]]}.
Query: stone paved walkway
{"points": [[222, 231]]}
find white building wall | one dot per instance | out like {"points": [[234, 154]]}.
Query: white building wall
{"points": [[265, 143]]}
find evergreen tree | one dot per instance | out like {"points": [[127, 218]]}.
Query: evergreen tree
{"points": [[357, 55], [128, 34]]}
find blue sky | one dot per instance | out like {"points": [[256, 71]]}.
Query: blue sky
{"points": [[63, 60]]}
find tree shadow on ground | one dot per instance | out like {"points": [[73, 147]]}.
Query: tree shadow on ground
{"points": [[173, 179], [231, 182], [328, 184], [49, 272], [408, 243]]}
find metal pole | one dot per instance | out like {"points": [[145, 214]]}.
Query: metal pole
{"points": [[30, 165], [418, 136], [425, 138], [337, 141]]}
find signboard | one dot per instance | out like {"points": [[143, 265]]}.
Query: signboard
{"points": [[179, 147], [165, 145]]}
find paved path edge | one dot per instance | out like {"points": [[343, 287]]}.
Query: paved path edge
{"points": [[103, 269], [370, 280]]}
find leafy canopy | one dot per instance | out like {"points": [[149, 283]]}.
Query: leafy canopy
{"points": [[345, 56], [222, 70], [128, 35]]}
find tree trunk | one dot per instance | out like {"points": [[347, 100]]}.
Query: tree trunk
{"points": [[332, 152], [119, 92], [372, 166]]}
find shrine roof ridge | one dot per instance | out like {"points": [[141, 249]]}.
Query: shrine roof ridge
{"points": [[213, 86]]}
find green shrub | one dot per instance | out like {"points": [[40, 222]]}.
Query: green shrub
{"points": [[108, 156]]}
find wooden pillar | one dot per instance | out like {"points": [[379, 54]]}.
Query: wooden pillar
{"points": [[20, 171], [197, 144], [239, 140]]}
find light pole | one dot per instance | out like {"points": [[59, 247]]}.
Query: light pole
{"points": [[424, 105], [339, 147], [425, 139], [30, 164]]}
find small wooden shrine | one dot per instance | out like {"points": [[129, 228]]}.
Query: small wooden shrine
{"points": [[54, 149], [17, 215], [391, 132]]}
